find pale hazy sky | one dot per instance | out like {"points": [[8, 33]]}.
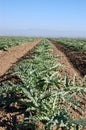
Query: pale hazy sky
{"points": [[43, 17]]}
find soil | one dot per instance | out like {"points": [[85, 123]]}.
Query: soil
{"points": [[8, 58], [67, 68], [76, 58], [15, 114]]}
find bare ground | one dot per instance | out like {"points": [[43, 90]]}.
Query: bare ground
{"points": [[67, 66], [7, 58], [76, 58]]}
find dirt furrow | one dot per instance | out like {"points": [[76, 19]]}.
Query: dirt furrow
{"points": [[67, 66], [76, 58], [8, 58]]}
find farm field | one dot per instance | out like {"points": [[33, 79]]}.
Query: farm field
{"points": [[75, 50], [37, 94], [74, 44], [7, 58], [7, 42]]}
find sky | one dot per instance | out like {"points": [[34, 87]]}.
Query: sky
{"points": [[55, 18]]}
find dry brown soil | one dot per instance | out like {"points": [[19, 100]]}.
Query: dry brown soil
{"points": [[7, 58], [76, 58], [67, 66]]}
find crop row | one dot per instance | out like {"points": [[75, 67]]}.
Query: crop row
{"points": [[75, 44], [43, 92], [6, 42]]}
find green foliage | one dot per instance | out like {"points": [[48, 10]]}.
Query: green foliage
{"points": [[7, 42], [43, 92], [8, 95], [75, 44]]}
